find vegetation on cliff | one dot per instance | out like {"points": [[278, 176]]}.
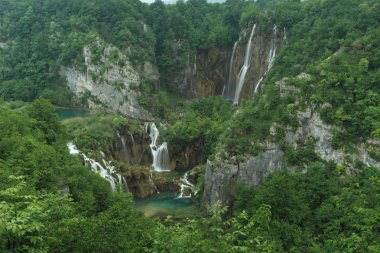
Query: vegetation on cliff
{"points": [[50, 202]]}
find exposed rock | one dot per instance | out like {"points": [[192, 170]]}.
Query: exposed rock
{"points": [[151, 71], [312, 126], [222, 177], [286, 89], [144, 182], [106, 84], [187, 156], [132, 148]]}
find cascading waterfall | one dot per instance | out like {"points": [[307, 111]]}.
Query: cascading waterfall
{"points": [[72, 148], [161, 161], [271, 58], [106, 171], [186, 186], [244, 69], [229, 84]]}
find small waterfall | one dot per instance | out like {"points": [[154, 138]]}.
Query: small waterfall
{"points": [[122, 183], [186, 186], [229, 95], [72, 148], [133, 148], [152, 183], [125, 184], [124, 146], [271, 58], [244, 69], [106, 171], [161, 161]]}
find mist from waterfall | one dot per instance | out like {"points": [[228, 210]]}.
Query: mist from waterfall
{"points": [[244, 69], [271, 58], [160, 154]]}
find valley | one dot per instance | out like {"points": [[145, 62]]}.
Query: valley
{"points": [[194, 126]]}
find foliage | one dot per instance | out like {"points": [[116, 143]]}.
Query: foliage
{"points": [[203, 121], [96, 133], [319, 211]]}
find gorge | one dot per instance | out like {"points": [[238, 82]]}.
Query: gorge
{"points": [[237, 126]]}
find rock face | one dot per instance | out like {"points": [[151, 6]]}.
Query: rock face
{"points": [[208, 73], [187, 156], [132, 148], [222, 177], [108, 81], [312, 126], [145, 182], [264, 42], [205, 75]]}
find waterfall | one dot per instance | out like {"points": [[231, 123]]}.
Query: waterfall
{"points": [[161, 161], [229, 84], [106, 171], [185, 184], [124, 146], [72, 148], [244, 69], [152, 183], [271, 58]]}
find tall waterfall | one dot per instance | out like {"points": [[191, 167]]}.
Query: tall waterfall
{"points": [[271, 58], [161, 161], [244, 69], [106, 171], [229, 94]]}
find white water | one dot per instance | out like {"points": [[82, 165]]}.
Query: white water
{"points": [[160, 154], [72, 148], [186, 187], [229, 84], [244, 69], [271, 58], [106, 171]]}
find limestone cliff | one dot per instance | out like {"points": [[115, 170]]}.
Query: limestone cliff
{"points": [[222, 176], [216, 71], [109, 80]]}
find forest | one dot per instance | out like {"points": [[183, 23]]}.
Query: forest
{"points": [[50, 201]]}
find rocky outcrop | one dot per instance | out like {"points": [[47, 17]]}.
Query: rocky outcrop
{"points": [[222, 177], [144, 182], [312, 126], [187, 156], [205, 75], [132, 148], [108, 81]]}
